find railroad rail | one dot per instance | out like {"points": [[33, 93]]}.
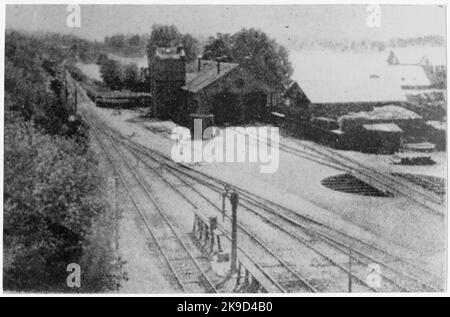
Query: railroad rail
{"points": [[279, 272], [186, 270], [412, 283], [359, 253], [381, 180], [359, 257]]}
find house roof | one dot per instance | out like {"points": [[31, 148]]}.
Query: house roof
{"points": [[437, 125], [420, 55], [382, 127], [352, 91], [207, 75], [389, 112], [408, 75]]}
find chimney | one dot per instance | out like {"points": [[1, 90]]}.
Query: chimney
{"points": [[199, 64], [218, 67]]}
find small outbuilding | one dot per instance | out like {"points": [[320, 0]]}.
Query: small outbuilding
{"points": [[380, 130]]}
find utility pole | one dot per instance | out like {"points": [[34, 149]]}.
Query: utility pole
{"points": [[234, 200], [224, 196], [349, 269]]}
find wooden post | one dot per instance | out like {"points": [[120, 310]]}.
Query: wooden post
{"points": [[212, 227], [200, 231], [224, 196], [246, 276], [234, 199], [207, 237], [219, 245], [238, 280], [349, 269], [194, 227]]}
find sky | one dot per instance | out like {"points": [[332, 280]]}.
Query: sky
{"points": [[286, 23]]}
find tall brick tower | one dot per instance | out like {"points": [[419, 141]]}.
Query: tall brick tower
{"points": [[167, 74]]}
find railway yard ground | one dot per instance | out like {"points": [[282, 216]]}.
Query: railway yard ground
{"points": [[293, 230]]}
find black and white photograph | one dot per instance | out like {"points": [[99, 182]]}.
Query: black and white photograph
{"points": [[224, 148]]}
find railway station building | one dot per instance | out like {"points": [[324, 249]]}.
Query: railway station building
{"points": [[229, 92], [226, 90]]}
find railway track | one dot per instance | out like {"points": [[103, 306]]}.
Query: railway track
{"points": [[381, 180], [184, 266], [363, 251], [385, 181], [360, 259], [340, 241], [397, 276], [279, 272]]}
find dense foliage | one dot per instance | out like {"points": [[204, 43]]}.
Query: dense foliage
{"points": [[117, 76], [126, 45], [53, 190], [255, 51], [169, 35]]}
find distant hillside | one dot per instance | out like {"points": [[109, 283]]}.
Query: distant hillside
{"points": [[364, 45], [127, 45]]}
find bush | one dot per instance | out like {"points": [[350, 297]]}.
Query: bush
{"points": [[131, 77], [54, 199], [52, 196], [121, 77]]}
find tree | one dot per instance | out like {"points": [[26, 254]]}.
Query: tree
{"points": [[54, 192], [101, 59], [219, 47], [134, 40], [131, 77], [164, 36], [167, 36], [254, 51], [112, 74], [191, 47], [117, 41], [262, 56]]}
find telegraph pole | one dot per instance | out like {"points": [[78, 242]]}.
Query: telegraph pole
{"points": [[234, 200], [224, 196], [349, 269]]}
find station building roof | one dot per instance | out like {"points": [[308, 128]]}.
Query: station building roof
{"points": [[370, 90], [383, 127], [208, 74], [409, 75]]}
